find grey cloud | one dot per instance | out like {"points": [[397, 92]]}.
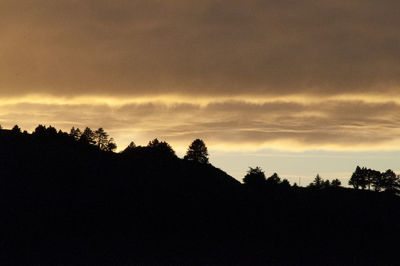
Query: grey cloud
{"points": [[199, 47]]}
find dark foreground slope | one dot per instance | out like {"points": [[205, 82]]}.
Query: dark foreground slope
{"points": [[65, 203]]}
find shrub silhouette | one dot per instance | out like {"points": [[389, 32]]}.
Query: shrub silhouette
{"points": [[273, 180], [161, 147], [254, 177], [16, 129], [285, 184], [336, 183]]}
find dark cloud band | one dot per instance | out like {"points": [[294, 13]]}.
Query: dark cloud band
{"points": [[211, 48]]}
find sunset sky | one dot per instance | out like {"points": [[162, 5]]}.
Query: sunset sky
{"points": [[297, 87]]}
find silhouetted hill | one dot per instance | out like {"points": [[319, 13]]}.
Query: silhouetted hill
{"points": [[64, 202]]}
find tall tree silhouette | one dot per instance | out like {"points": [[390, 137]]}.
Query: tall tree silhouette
{"points": [[391, 181], [197, 152], [318, 182], [88, 136], [376, 179], [101, 138], [358, 178], [75, 133], [371, 177]]}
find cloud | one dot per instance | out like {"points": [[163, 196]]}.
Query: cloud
{"points": [[199, 48], [279, 74], [227, 124]]}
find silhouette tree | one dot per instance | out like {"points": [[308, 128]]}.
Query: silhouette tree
{"points": [[40, 130], [130, 148], [51, 131], [197, 152], [110, 146], [16, 129], [358, 178], [326, 184], [75, 133], [153, 143], [318, 182], [101, 139], [254, 177], [371, 176], [88, 136], [273, 180], [336, 183], [391, 181], [285, 184], [376, 178], [161, 147]]}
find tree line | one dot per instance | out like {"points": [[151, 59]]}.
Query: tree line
{"points": [[99, 138], [362, 178], [366, 178], [256, 177], [320, 183]]}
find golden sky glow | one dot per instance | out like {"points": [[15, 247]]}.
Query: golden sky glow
{"points": [[291, 123], [242, 75]]}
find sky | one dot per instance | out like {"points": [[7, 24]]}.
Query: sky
{"points": [[296, 87]]}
